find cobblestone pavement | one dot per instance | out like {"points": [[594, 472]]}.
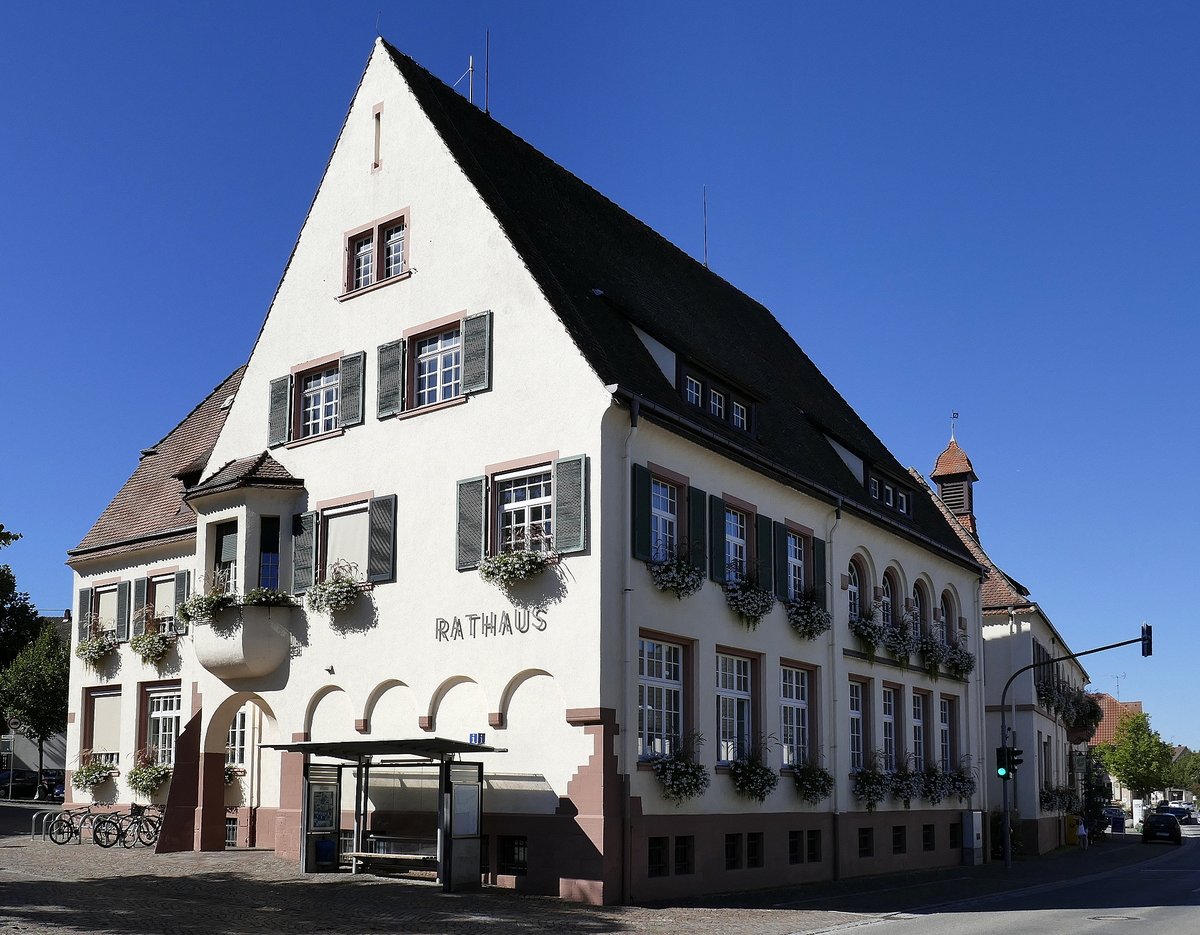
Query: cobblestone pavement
{"points": [[81, 888]]}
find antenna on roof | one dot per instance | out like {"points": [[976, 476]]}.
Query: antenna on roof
{"points": [[1117, 679], [953, 419], [469, 74], [487, 68], [704, 196], [378, 17]]}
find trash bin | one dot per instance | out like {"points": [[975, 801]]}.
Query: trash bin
{"points": [[1118, 824]]}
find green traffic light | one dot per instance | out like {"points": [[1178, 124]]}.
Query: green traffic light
{"points": [[1002, 772]]}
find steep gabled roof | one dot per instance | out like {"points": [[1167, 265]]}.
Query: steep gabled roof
{"points": [[150, 504], [604, 271]]}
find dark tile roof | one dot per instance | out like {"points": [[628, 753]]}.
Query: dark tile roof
{"points": [[262, 470], [603, 271], [150, 504]]}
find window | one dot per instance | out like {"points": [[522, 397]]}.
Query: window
{"points": [[874, 488], [685, 854], [660, 698], [438, 367], [918, 731], [813, 846], [103, 732], [512, 855], [888, 494], [378, 253], [735, 544], [754, 849], [795, 566], [885, 601], [361, 534], [928, 840], [733, 707], [235, 747], [795, 847], [856, 725], [741, 418], [664, 516], [716, 404], [435, 363], [268, 552], [920, 611], [793, 715], [866, 842], [948, 616], [693, 391], [852, 590], [225, 552], [716, 399], [899, 839], [902, 501], [889, 729], [164, 709], [316, 399], [541, 507], [105, 612], [106, 608], [733, 852], [946, 733], [656, 857], [231, 832]]}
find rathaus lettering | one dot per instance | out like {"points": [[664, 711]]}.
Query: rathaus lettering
{"points": [[470, 626]]}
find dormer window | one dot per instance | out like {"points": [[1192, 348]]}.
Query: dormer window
{"points": [[716, 399], [890, 495], [741, 419], [716, 404], [693, 392]]}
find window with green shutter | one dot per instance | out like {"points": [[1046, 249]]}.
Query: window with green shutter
{"points": [[321, 400]]}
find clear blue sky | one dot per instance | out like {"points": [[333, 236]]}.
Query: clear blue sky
{"points": [[983, 208]]}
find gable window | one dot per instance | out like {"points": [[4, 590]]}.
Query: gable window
{"points": [[439, 367], [316, 399], [693, 391], [660, 698], [376, 254], [359, 532], [733, 707], [540, 506], [793, 715], [435, 363]]}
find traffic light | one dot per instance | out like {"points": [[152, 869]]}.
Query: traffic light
{"points": [[1003, 769], [1014, 759], [1147, 640]]}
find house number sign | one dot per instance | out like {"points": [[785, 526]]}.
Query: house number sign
{"points": [[477, 626]]}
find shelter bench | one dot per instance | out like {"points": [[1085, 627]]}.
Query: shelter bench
{"points": [[397, 853]]}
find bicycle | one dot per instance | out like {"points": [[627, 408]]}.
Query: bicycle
{"points": [[141, 825], [69, 824]]}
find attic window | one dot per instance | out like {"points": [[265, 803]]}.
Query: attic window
{"points": [[716, 399], [376, 254]]}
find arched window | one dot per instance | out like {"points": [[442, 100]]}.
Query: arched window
{"points": [[852, 590], [949, 617], [920, 611], [885, 602]]}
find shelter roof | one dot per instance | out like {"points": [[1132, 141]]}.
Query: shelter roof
{"points": [[433, 748]]}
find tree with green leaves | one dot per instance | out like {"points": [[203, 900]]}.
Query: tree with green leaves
{"points": [[34, 688], [19, 621], [1185, 772], [6, 537], [1137, 756]]}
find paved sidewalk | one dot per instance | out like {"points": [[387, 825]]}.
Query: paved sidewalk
{"points": [[80, 888]]}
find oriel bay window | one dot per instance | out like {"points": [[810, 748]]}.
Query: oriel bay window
{"points": [[316, 399], [538, 506], [358, 532], [435, 363]]}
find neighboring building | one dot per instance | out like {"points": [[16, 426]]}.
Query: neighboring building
{"points": [[1114, 710], [471, 353], [1017, 632]]}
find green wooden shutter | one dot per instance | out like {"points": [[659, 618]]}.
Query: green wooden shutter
{"points": [[304, 551], [643, 548], [350, 389], [781, 561], [182, 587], [279, 419], [716, 538], [763, 562], [471, 533], [818, 572], [139, 606], [84, 621], [390, 389], [122, 611], [477, 353], [570, 504], [697, 503], [381, 541]]}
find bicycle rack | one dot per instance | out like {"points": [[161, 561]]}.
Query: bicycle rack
{"points": [[44, 815]]}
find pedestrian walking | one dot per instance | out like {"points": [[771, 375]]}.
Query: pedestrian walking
{"points": [[1081, 832]]}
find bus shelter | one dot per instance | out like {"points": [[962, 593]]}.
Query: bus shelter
{"points": [[451, 844]]}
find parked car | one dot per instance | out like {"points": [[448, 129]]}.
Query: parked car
{"points": [[1161, 826], [1183, 815], [53, 781], [18, 783]]}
